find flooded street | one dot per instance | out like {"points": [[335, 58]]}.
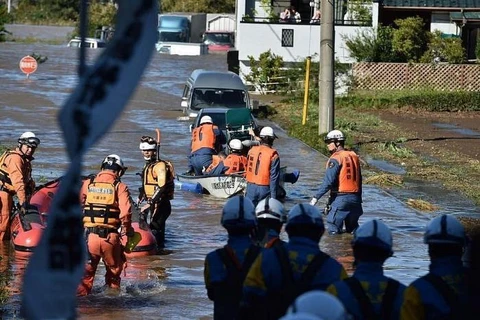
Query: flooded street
{"points": [[171, 286]]}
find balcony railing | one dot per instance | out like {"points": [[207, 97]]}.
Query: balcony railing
{"points": [[276, 20]]}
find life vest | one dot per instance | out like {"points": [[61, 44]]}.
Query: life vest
{"points": [[230, 289], [235, 163], [216, 159], [366, 306], [258, 164], [349, 177], [204, 137], [101, 205], [279, 301], [150, 183], [5, 181]]}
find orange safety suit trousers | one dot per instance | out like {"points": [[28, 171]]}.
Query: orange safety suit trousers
{"points": [[110, 250], [6, 204]]}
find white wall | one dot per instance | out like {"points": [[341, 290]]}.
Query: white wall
{"points": [[441, 21]]}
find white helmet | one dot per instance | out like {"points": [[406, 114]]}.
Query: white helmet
{"points": [[267, 132], [114, 162], [235, 144], [148, 143], [444, 229], [320, 304], [334, 135], [270, 208], [304, 214], [374, 233], [28, 138], [206, 119], [238, 212]]}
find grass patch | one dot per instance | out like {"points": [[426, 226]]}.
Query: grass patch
{"points": [[421, 205], [370, 136]]}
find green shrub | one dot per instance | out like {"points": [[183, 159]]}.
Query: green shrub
{"points": [[265, 70], [372, 45], [410, 39], [422, 100], [446, 49]]}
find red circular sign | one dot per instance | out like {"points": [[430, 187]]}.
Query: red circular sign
{"points": [[28, 65]]}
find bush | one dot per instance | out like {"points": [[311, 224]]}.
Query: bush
{"points": [[410, 39], [266, 70], [422, 100], [444, 49], [372, 45]]}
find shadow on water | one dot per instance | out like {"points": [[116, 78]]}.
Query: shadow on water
{"points": [[171, 286]]}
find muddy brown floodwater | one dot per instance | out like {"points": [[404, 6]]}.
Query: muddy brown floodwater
{"points": [[171, 286]]}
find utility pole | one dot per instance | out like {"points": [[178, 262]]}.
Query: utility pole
{"points": [[326, 83]]}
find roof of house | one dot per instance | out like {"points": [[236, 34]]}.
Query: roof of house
{"points": [[458, 4]]}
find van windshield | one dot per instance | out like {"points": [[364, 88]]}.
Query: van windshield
{"points": [[229, 98]]}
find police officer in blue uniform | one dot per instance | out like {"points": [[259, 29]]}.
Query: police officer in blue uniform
{"points": [[226, 268], [369, 294], [281, 274], [442, 293]]}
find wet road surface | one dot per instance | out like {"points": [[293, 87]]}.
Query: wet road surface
{"points": [[171, 286]]}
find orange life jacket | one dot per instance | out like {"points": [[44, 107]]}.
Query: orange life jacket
{"points": [[216, 159], [204, 137], [101, 205], [258, 164], [5, 179], [349, 177], [235, 163], [150, 183]]}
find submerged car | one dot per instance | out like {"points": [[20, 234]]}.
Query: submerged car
{"points": [[213, 89], [92, 43]]}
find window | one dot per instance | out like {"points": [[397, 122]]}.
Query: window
{"points": [[287, 37]]}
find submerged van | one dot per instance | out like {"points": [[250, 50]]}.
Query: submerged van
{"points": [[213, 89]]}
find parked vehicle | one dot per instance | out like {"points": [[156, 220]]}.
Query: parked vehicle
{"points": [[93, 43], [219, 40], [220, 34], [207, 89], [181, 27]]}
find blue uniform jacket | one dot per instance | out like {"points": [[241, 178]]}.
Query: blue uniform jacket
{"points": [[331, 180], [225, 304], [423, 301], [374, 283], [265, 278]]}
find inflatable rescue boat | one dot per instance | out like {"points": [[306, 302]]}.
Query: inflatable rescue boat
{"points": [[26, 229], [41, 202]]}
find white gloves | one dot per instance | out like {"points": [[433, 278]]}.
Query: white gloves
{"points": [[313, 201]]}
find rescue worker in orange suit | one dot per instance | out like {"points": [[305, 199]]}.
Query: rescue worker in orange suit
{"points": [[271, 216], [16, 179], [343, 177], [235, 162], [263, 168], [279, 275], [225, 268], [368, 293], [157, 187], [107, 206], [443, 292], [207, 140]]}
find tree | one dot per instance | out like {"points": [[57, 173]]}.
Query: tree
{"points": [[208, 6], [410, 39]]}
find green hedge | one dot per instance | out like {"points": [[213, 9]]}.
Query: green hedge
{"points": [[422, 100]]}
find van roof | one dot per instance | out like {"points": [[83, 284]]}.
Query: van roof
{"points": [[217, 79]]}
